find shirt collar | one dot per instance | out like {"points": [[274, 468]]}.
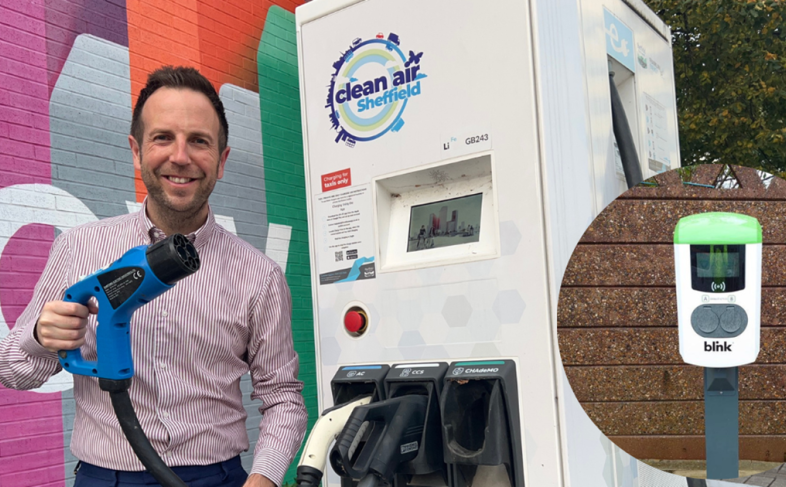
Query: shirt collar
{"points": [[199, 238]]}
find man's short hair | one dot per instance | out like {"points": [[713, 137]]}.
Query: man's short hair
{"points": [[179, 77]]}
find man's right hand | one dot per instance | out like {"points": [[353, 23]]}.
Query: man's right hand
{"points": [[62, 325]]}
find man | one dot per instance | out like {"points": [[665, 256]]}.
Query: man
{"points": [[192, 344]]}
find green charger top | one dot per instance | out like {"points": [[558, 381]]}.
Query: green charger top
{"points": [[717, 228]]}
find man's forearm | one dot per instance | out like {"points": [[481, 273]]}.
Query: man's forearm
{"points": [[273, 364], [20, 369], [281, 433]]}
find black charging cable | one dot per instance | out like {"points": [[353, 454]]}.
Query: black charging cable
{"points": [[124, 410], [621, 127]]}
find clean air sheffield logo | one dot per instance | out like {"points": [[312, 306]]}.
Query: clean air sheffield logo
{"points": [[370, 88]]}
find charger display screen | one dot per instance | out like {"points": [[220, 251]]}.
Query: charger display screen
{"points": [[444, 223], [717, 268]]}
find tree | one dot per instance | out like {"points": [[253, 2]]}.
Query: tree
{"points": [[730, 74]]}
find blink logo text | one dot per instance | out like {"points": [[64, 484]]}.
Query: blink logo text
{"points": [[717, 347]]}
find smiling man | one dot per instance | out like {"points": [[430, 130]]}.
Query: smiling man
{"points": [[191, 345], [179, 142]]}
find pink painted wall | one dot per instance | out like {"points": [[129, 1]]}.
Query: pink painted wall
{"points": [[31, 424], [69, 73]]}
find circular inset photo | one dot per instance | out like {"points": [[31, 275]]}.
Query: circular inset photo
{"points": [[672, 322]]}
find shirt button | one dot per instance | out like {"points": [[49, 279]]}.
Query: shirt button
{"points": [[165, 414], [164, 314], [163, 366]]}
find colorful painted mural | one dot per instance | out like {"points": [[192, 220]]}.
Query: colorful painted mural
{"points": [[70, 72]]}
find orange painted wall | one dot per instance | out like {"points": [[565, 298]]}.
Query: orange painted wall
{"points": [[218, 37]]}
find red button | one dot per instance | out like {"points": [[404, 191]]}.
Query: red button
{"points": [[354, 321]]}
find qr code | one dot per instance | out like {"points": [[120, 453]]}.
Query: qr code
{"points": [[339, 256]]}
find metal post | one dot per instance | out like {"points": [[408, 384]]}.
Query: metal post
{"points": [[721, 422]]}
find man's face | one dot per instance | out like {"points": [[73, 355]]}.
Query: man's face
{"points": [[179, 158]]}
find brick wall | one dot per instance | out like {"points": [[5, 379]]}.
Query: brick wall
{"points": [[617, 318], [70, 72]]}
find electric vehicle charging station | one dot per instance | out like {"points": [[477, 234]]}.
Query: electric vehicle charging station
{"points": [[455, 154], [717, 260]]}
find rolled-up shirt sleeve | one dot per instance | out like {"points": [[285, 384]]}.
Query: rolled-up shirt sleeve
{"points": [[274, 370], [24, 363]]}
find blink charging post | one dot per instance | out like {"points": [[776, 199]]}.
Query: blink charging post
{"points": [[718, 276]]}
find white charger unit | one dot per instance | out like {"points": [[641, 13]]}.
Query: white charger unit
{"points": [[455, 152], [718, 272]]}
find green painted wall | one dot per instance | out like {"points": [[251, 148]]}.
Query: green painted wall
{"points": [[285, 183]]}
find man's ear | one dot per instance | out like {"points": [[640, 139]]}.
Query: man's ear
{"points": [[135, 152], [221, 161]]}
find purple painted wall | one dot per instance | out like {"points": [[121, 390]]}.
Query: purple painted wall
{"points": [[66, 19]]}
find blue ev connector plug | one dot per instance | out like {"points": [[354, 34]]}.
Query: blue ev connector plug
{"points": [[139, 276]]}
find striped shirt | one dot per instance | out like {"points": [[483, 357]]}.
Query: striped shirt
{"points": [[190, 345]]}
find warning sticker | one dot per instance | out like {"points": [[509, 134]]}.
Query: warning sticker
{"points": [[120, 284], [336, 180]]}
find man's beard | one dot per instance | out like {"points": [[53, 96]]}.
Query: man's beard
{"points": [[156, 192]]}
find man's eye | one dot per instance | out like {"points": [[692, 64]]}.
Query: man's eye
{"points": [[161, 137], [201, 141]]}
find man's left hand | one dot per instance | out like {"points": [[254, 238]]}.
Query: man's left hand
{"points": [[257, 480]]}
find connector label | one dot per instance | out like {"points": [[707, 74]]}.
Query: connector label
{"points": [[409, 447]]}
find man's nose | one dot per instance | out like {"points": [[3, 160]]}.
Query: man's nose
{"points": [[180, 152]]}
